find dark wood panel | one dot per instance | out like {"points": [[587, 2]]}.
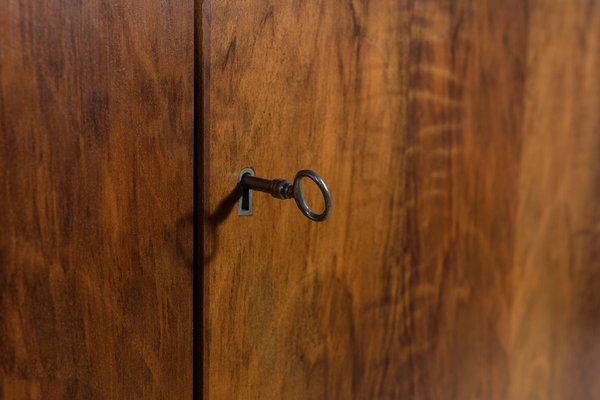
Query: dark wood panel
{"points": [[461, 144], [96, 169]]}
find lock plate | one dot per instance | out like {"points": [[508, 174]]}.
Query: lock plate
{"points": [[245, 202]]}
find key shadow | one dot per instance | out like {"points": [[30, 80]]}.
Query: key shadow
{"points": [[211, 222]]}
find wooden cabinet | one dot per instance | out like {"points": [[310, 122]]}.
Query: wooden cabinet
{"points": [[460, 141]]}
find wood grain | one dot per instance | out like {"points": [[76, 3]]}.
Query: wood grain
{"points": [[96, 199], [461, 143]]}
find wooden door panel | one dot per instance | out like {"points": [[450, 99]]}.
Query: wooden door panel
{"points": [[289, 87], [96, 177], [460, 143]]}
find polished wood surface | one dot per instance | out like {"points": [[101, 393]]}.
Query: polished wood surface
{"points": [[461, 144], [96, 169]]}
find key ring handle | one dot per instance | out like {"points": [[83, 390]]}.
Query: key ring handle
{"points": [[301, 202]]}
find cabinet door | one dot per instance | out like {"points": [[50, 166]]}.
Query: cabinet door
{"points": [[96, 199], [460, 141]]}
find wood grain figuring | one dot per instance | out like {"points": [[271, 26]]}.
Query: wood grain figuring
{"points": [[461, 144], [96, 199]]}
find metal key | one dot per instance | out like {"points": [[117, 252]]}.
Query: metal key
{"points": [[282, 189]]}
